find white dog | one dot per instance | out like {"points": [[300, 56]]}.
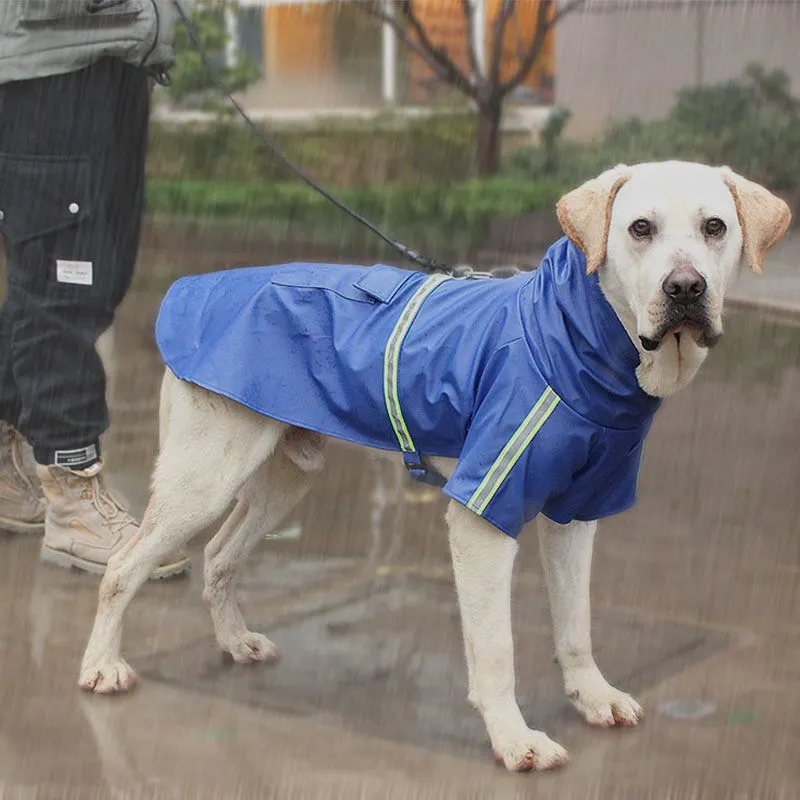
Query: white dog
{"points": [[560, 373]]}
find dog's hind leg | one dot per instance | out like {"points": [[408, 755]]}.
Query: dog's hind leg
{"points": [[265, 500], [212, 448]]}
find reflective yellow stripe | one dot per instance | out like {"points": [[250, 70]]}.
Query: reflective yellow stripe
{"points": [[514, 448], [391, 360]]}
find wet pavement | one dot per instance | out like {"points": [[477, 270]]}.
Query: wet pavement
{"points": [[696, 600], [777, 289]]}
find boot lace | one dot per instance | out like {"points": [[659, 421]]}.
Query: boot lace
{"points": [[113, 511]]}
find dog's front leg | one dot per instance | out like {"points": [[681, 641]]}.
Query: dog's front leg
{"points": [[567, 562], [483, 560]]}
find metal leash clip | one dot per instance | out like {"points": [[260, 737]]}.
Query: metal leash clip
{"points": [[467, 272]]}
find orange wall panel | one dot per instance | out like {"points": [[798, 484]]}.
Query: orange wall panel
{"points": [[298, 40]]}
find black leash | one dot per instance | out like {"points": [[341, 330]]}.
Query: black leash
{"points": [[427, 264]]}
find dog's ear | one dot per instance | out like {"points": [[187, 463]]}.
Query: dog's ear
{"points": [[763, 217], [585, 214]]}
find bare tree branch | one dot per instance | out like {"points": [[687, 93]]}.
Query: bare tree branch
{"points": [[439, 55], [507, 9], [374, 9], [543, 27], [469, 18], [533, 51]]}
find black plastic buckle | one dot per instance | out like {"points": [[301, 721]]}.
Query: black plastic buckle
{"points": [[419, 470]]}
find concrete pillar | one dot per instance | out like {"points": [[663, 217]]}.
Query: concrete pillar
{"points": [[232, 35], [389, 58], [479, 32]]}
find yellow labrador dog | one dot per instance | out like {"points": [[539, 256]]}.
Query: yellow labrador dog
{"points": [[564, 368]]}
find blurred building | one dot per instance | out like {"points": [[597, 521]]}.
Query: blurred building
{"points": [[329, 54], [609, 60]]}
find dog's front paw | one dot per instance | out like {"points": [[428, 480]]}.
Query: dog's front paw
{"points": [[532, 750], [108, 676], [599, 703], [250, 647]]}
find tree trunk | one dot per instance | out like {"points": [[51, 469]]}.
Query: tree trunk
{"points": [[488, 153]]}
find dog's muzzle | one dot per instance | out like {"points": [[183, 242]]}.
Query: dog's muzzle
{"points": [[684, 295]]}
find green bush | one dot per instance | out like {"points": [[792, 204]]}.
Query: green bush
{"points": [[439, 148], [463, 206], [752, 124]]}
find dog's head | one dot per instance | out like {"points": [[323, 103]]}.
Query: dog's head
{"points": [[669, 236]]}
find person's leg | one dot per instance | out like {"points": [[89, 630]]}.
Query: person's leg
{"points": [[72, 161], [72, 164], [22, 505], [10, 405]]}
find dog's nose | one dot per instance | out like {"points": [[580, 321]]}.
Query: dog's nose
{"points": [[684, 285]]}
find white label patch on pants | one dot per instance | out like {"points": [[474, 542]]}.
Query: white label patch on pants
{"points": [[73, 458], [79, 272]]}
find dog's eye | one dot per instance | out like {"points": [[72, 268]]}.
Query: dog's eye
{"points": [[641, 229], [714, 227]]}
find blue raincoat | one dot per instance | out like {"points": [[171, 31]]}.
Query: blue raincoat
{"points": [[529, 381]]}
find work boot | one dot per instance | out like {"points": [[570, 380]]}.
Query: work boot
{"points": [[86, 523], [22, 504]]}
